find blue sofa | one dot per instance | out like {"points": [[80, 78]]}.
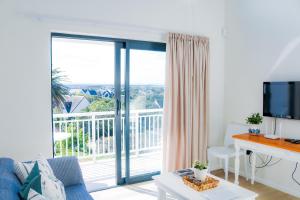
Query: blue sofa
{"points": [[66, 169]]}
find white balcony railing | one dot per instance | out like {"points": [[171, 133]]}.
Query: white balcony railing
{"points": [[92, 135]]}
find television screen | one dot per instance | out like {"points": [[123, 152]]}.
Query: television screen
{"points": [[281, 99]]}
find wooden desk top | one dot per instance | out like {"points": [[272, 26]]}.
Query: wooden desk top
{"points": [[260, 139]]}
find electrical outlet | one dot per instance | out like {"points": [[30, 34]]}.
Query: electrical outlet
{"points": [[248, 152]]}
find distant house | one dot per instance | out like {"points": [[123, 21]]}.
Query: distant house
{"points": [[91, 92], [104, 93], [107, 94], [75, 104], [84, 91]]}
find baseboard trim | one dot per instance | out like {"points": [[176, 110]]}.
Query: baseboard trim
{"points": [[271, 184]]}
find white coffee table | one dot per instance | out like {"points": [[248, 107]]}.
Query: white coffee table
{"points": [[173, 184]]}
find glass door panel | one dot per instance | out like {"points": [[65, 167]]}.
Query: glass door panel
{"points": [[122, 96], [83, 104], [146, 97]]}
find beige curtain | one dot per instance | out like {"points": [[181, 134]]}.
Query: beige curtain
{"points": [[185, 107]]}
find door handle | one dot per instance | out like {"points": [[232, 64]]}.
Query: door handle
{"points": [[118, 106]]}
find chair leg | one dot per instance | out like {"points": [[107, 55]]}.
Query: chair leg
{"points": [[253, 163], [226, 168], [208, 163], [221, 163], [246, 167]]}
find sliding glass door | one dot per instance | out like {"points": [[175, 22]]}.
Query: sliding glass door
{"points": [[107, 105]]}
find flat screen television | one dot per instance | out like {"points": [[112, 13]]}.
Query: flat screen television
{"points": [[281, 99]]}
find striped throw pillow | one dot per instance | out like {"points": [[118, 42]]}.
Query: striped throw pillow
{"points": [[22, 170]]}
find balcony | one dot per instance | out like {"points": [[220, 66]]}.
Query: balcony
{"points": [[91, 137]]}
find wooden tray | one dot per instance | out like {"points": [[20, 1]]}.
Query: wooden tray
{"points": [[192, 182]]}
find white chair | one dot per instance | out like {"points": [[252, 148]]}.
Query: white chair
{"points": [[227, 151]]}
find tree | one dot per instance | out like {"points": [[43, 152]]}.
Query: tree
{"points": [[58, 90], [101, 105]]}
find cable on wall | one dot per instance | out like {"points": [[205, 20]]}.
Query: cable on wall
{"points": [[265, 163], [294, 179]]}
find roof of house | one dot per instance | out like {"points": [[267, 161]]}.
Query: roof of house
{"points": [[76, 101], [92, 92]]}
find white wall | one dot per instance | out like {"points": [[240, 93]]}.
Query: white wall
{"points": [[262, 44], [25, 27]]}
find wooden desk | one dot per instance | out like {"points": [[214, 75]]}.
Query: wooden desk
{"points": [[259, 144]]}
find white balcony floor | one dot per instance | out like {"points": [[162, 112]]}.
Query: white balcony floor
{"points": [[101, 174]]}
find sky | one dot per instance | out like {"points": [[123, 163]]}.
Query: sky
{"points": [[92, 62]]}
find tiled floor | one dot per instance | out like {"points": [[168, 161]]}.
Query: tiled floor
{"points": [[141, 191], [148, 191], [101, 174]]}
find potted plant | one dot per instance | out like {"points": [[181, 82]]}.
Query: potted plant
{"points": [[200, 170], [254, 120]]}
